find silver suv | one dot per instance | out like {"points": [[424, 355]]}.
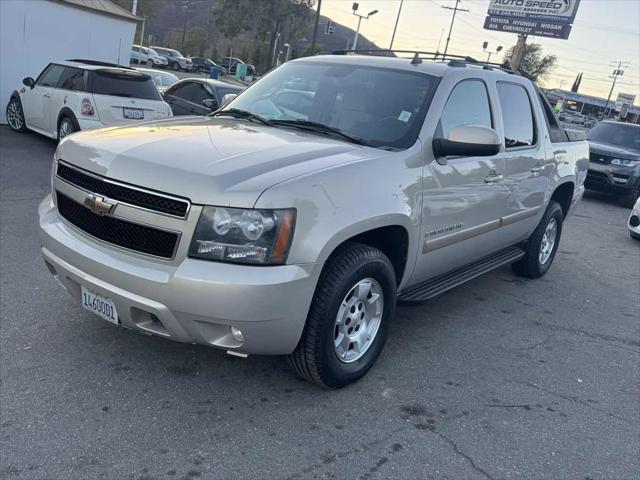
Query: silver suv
{"points": [[293, 220]]}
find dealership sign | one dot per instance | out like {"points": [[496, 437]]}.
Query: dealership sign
{"points": [[542, 18]]}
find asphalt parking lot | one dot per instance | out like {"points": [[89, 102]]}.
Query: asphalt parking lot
{"points": [[500, 378]]}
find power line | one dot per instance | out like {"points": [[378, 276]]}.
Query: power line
{"points": [[453, 19]]}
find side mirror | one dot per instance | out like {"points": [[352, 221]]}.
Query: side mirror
{"points": [[29, 82], [467, 141], [210, 103], [228, 97]]}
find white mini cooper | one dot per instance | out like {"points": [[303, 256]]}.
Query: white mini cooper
{"points": [[81, 95]]}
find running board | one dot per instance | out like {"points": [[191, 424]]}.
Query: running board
{"points": [[440, 284]]}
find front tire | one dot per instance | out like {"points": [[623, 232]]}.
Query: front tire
{"points": [[15, 115], [543, 244], [348, 319]]}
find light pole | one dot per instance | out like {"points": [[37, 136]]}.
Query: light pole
{"points": [[393, 36], [360, 17], [484, 49]]}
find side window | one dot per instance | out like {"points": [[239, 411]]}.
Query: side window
{"points": [[194, 92], [72, 79], [468, 104], [517, 115], [556, 132], [50, 76], [135, 49]]}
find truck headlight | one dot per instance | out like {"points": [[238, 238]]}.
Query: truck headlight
{"points": [[625, 163], [239, 235]]}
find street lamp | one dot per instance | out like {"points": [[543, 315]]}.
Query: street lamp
{"points": [[484, 49], [354, 7]]}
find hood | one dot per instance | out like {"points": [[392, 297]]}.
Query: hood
{"points": [[214, 161], [613, 150]]}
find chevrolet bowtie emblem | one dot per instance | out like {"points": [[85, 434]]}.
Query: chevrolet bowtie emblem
{"points": [[99, 205]]}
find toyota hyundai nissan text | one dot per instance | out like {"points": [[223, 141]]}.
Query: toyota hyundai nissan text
{"points": [[291, 221]]}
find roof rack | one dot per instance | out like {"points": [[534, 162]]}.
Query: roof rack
{"points": [[418, 56], [98, 63]]}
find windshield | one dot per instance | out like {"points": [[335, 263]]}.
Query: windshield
{"points": [[382, 107], [163, 79], [152, 52], [626, 136]]}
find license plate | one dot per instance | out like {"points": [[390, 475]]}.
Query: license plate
{"points": [[133, 113], [101, 306]]}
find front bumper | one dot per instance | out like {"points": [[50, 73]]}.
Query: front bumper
{"points": [[192, 301], [612, 178]]}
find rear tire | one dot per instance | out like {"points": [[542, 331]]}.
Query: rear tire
{"points": [[349, 317], [15, 115], [66, 126], [542, 246]]}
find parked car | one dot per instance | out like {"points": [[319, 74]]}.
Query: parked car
{"points": [[261, 232], [196, 96], [162, 80], [155, 60], [614, 162], [81, 95], [634, 221], [204, 65], [230, 64], [572, 117], [139, 55], [174, 58]]}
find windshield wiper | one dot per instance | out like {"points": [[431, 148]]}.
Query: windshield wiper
{"points": [[237, 113], [318, 127]]}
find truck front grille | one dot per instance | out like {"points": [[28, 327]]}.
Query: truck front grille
{"points": [[132, 236], [123, 193]]}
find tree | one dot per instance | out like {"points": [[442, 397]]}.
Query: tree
{"points": [[195, 41], [533, 64], [264, 18]]}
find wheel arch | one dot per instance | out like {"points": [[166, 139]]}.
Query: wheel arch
{"points": [[67, 112], [563, 194], [389, 235]]}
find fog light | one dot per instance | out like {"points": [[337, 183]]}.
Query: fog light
{"points": [[634, 221], [237, 334]]}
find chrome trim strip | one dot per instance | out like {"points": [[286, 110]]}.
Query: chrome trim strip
{"points": [[128, 220], [516, 217], [126, 185], [456, 237], [446, 240]]}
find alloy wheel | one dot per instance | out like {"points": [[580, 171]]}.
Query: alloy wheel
{"points": [[15, 117], [548, 241]]}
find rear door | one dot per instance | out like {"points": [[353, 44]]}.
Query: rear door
{"points": [[526, 172], [186, 98], [39, 100], [123, 96]]}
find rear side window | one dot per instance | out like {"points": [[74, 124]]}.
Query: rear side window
{"points": [[194, 92], [468, 104], [123, 84], [72, 79], [517, 115], [556, 132], [50, 76]]}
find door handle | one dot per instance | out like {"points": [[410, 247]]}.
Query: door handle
{"points": [[493, 178], [47, 95]]}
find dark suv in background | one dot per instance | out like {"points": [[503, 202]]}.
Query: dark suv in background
{"points": [[614, 161]]}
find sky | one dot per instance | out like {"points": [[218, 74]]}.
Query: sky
{"points": [[604, 32]]}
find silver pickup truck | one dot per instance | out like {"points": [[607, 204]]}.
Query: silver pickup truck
{"points": [[293, 220]]}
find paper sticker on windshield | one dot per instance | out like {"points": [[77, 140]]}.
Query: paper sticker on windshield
{"points": [[404, 116]]}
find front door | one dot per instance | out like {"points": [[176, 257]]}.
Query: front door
{"points": [[38, 100], [464, 197]]}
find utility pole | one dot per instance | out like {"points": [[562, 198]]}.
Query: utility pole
{"points": [[315, 28], [144, 20], [185, 7], [453, 19], [134, 8], [518, 52], [393, 36], [617, 72]]}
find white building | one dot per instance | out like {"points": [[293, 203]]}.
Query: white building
{"points": [[36, 32]]}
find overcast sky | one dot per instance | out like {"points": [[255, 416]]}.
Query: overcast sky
{"points": [[604, 31]]}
